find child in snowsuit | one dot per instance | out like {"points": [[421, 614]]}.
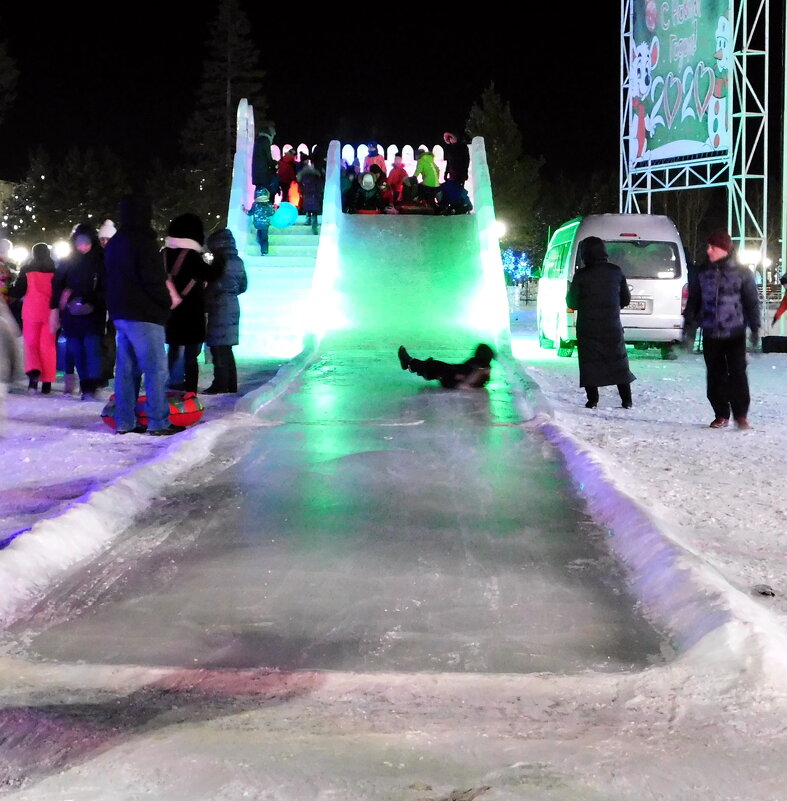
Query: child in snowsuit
{"points": [[261, 212], [472, 374]]}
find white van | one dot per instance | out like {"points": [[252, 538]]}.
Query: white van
{"points": [[648, 248]]}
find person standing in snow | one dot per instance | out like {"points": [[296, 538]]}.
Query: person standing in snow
{"points": [[139, 304], [598, 292], [9, 333], [8, 271], [223, 310], [79, 306], [108, 349], [33, 287], [188, 273], [723, 301]]}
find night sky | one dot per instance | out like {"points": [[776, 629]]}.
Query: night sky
{"points": [[130, 84], [89, 79]]}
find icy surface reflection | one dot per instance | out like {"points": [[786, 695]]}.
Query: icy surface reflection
{"points": [[379, 523]]}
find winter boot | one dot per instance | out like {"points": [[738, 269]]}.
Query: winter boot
{"points": [[69, 383], [32, 384]]}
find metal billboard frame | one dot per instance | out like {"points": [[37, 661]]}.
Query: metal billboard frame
{"points": [[744, 172]]}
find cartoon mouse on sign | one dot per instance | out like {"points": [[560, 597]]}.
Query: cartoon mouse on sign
{"points": [[644, 57], [718, 127]]}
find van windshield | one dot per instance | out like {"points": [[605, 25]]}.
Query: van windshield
{"points": [[642, 259]]}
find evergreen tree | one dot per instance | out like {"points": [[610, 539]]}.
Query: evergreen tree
{"points": [[514, 175], [231, 71], [565, 197], [88, 188], [85, 187], [27, 217], [9, 75]]}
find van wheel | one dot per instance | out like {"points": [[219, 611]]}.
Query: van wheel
{"points": [[566, 348]]}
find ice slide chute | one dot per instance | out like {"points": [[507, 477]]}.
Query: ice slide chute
{"points": [[379, 281]]}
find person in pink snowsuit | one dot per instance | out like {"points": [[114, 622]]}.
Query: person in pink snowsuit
{"points": [[34, 286]]}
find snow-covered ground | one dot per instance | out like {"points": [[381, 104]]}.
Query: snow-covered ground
{"points": [[718, 492], [68, 484], [707, 726]]}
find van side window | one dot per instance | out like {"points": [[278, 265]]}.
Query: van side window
{"points": [[554, 263]]}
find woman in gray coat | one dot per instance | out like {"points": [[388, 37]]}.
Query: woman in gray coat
{"points": [[598, 292], [223, 311]]}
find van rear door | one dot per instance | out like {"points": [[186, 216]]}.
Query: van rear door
{"points": [[654, 275]]}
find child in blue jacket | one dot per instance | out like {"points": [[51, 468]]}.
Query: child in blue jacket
{"points": [[261, 212]]}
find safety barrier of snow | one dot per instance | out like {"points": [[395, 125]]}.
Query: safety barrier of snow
{"points": [[705, 616], [39, 556]]}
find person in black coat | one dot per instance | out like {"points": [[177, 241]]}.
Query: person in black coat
{"points": [[188, 273], [139, 305], [223, 308], [457, 157], [263, 165], [598, 292], [471, 374], [78, 301]]}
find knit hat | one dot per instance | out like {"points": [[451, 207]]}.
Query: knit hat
{"points": [[107, 230], [721, 239], [187, 226]]}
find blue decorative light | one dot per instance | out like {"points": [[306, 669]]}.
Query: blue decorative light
{"points": [[517, 265]]}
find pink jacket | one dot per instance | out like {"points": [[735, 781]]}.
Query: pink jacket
{"points": [[35, 308], [378, 160]]}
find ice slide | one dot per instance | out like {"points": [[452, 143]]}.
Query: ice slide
{"points": [[432, 283]]}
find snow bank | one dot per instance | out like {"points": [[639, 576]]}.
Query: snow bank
{"points": [[38, 556], [707, 617]]}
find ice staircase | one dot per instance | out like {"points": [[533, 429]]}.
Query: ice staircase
{"points": [[274, 308]]}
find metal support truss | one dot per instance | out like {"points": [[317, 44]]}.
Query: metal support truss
{"points": [[744, 173]]}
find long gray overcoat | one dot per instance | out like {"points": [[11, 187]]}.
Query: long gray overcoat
{"points": [[221, 295]]}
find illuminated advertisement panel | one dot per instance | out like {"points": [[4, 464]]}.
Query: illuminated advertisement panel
{"points": [[680, 61]]}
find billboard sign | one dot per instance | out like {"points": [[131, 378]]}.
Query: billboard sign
{"points": [[680, 62]]}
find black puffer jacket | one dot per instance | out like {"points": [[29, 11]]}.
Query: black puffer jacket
{"points": [[81, 276], [221, 296], [723, 300], [186, 324], [263, 166], [135, 274], [597, 294]]}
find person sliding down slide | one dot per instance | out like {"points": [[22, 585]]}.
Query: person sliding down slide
{"points": [[472, 374]]}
